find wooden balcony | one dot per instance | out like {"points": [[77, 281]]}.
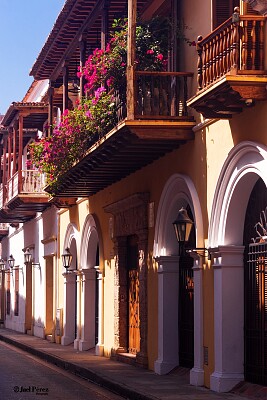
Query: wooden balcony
{"points": [[159, 123], [231, 69], [23, 196]]}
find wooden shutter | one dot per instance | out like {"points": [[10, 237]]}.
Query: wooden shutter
{"points": [[223, 9], [248, 10]]}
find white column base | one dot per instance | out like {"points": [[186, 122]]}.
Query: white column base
{"points": [[220, 382], [163, 367], [84, 345], [76, 344], [66, 340], [99, 350], [197, 377]]}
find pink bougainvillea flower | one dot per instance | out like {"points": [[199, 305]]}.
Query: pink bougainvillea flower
{"points": [[160, 57]]}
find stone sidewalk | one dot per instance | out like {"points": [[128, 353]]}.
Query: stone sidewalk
{"points": [[126, 380]]}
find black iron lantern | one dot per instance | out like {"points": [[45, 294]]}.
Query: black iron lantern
{"points": [[27, 256], [2, 264], [66, 258], [11, 261], [182, 226]]}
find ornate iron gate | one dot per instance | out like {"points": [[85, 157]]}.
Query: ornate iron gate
{"points": [[186, 312], [256, 313]]}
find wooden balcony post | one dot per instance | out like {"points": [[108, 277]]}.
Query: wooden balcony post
{"points": [[14, 150], [235, 40], [131, 45], [82, 47], [199, 63], [104, 25], [65, 85], [50, 108], [9, 155], [4, 178], [20, 152]]}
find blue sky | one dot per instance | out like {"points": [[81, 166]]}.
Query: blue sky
{"points": [[24, 27]]}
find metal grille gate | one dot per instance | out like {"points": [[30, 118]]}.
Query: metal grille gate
{"points": [[256, 313]]}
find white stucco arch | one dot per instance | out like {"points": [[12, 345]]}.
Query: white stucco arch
{"points": [[72, 241], [90, 241], [91, 295], [178, 191], [70, 317], [245, 164]]}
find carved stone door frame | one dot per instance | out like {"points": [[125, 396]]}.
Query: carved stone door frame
{"points": [[130, 218]]}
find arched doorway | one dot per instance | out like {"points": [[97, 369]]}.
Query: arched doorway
{"points": [[180, 333], [91, 288], [255, 284], [246, 163], [70, 311]]}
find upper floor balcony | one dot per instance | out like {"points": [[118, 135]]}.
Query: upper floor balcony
{"points": [[151, 120], [21, 190], [151, 115], [231, 67]]}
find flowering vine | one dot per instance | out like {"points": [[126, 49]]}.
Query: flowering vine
{"points": [[95, 115]]}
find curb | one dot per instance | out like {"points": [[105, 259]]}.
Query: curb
{"points": [[85, 373]]}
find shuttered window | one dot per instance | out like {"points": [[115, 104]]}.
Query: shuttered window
{"points": [[223, 9]]}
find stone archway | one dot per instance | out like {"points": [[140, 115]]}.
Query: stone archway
{"points": [[179, 191], [244, 165]]}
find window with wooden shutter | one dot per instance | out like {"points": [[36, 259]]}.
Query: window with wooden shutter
{"points": [[223, 9]]}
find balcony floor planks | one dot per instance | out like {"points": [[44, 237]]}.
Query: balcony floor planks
{"points": [[126, 149]]}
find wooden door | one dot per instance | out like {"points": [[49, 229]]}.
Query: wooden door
{"points": [[134, 317], [133, 295]]}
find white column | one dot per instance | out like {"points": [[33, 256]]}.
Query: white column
{"points": [[87, 340], [228, 318], [99, 350], [168, 295], [77, 340], [69, 309], [197, 372]]}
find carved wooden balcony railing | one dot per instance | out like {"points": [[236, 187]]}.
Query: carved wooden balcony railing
{"points": [[231, 70], [23, 196], [32, 182], [158, 95], [159, 124]]}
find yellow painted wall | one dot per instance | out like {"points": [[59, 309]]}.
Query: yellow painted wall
{"points": [[201, 160]]}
